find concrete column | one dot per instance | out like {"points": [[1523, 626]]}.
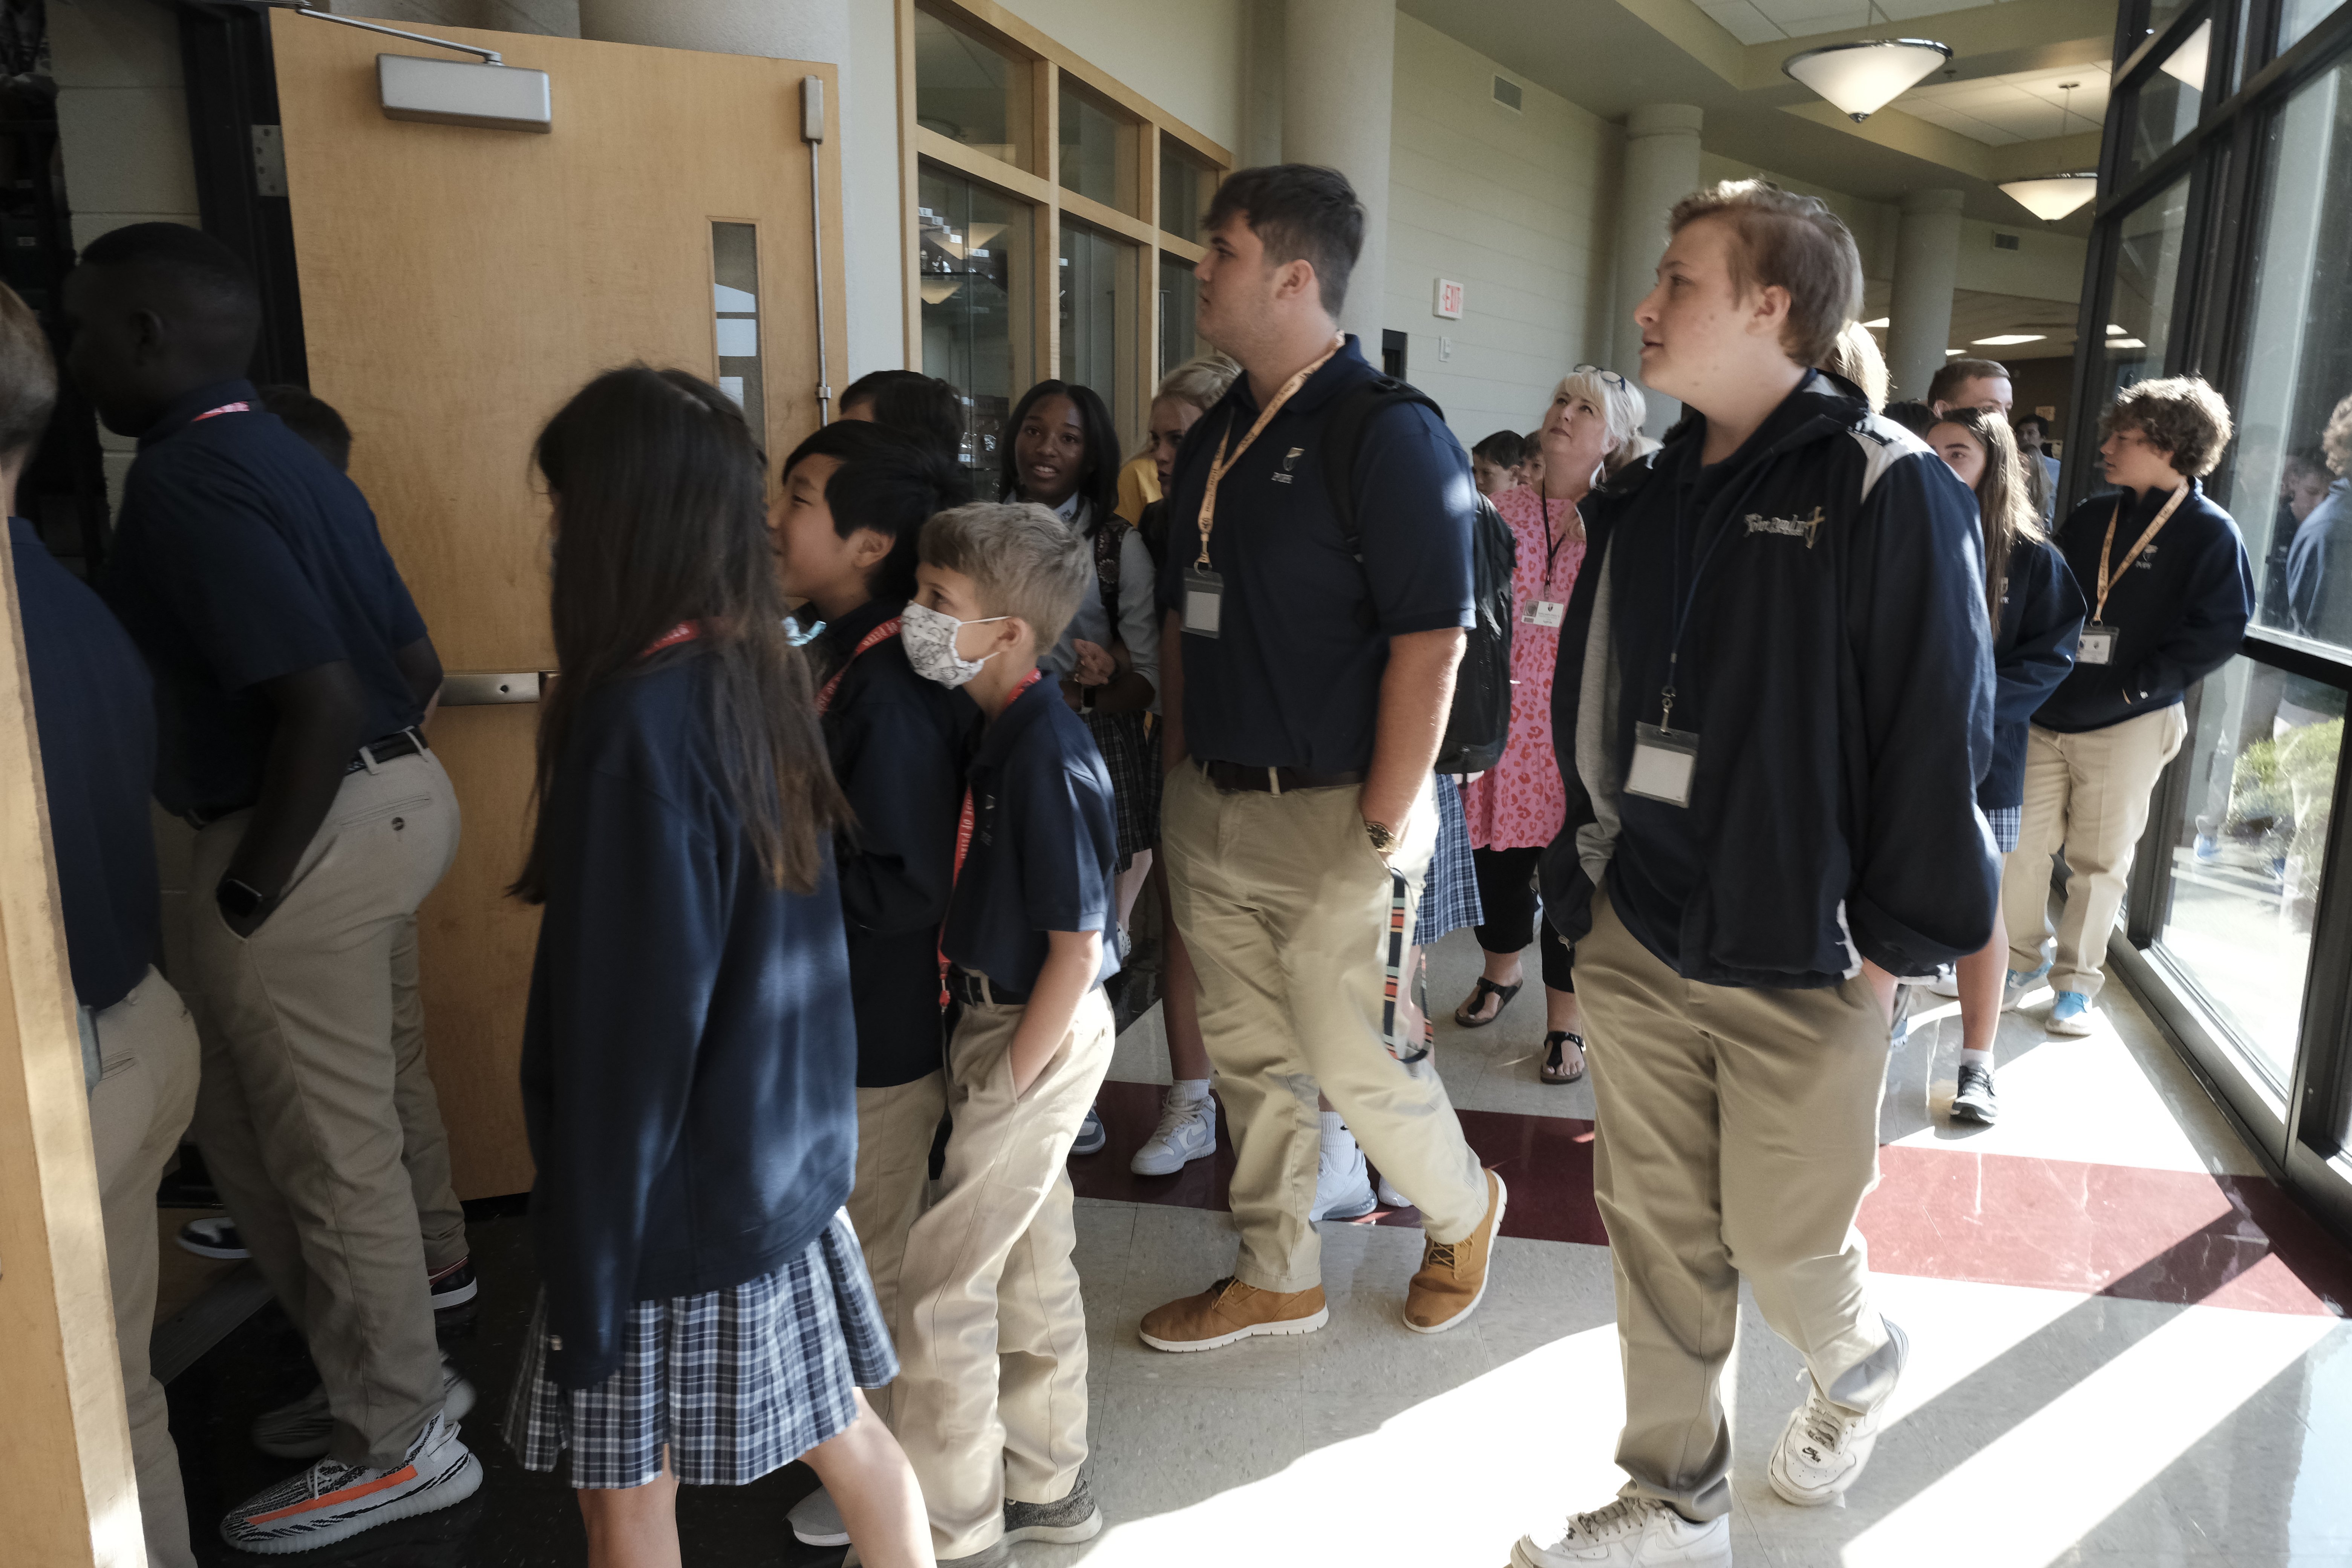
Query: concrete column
{"points": [[1339, 79], [1927, 263], [1661, 168]]}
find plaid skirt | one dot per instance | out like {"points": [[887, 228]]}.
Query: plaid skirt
{"points": [[1449, 895], [737, 1381], [2007, 823], [1132, 760]]}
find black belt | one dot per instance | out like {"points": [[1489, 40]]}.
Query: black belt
{"points": [[976, 990], [387, 748], [1275, 780]]}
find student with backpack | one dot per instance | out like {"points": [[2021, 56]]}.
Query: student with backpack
{"points": [[1515, 808], [1310, 666], [690, 1053]]}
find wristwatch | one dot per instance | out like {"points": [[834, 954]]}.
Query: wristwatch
{"points": [[1383, 839], [238, 901]]}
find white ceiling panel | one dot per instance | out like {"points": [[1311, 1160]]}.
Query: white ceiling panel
{"points": [[2026, 107]]}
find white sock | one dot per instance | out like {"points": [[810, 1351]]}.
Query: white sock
{"points": [[1334, 1131], [1193, 1088], [1977, 1060]]}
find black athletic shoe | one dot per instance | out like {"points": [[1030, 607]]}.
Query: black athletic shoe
{"points": [[1974, 1100], [1092, 1135], [454, 1285]]}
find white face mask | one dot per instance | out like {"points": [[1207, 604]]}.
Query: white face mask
{"points": [[930, 639]]}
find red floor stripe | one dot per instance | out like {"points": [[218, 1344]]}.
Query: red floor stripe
{"points": [[2174, 1236]]}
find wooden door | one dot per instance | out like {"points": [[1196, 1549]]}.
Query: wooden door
{"points": [[458, 284]]}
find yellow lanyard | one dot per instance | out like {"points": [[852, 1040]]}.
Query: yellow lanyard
{"points": [[2107, 580], [1222, 462]]}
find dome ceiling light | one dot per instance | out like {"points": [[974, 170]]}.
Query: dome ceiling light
{"points": [[1860, 78], [2052, 196]]}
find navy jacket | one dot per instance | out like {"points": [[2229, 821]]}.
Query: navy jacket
{"points": [[1836, 664], [2042, 612], [688, 1057], [2178, 613], [2319, 569], [898, 744]]}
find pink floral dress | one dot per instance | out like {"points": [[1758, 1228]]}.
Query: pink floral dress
{"points": [[1519, 803]]}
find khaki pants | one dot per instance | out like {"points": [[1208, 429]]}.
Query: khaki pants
{"points": [[992, 1391], [2088, 795], [1737, 1136], [1289, 911], [424, 1143], [148, 1051], [298, 1112], [894, 1129]]}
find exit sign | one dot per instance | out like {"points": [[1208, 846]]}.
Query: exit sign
{"points": [[1449, 298]]}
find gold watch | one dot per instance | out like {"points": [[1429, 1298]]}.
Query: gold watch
{"points": [[1383, 838]]}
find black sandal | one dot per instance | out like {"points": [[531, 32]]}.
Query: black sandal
{"points": [[1555, 1065], [1478, 994]]}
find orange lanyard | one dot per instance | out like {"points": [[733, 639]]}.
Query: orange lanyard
{"points": [[963, 840], [880, 634], [223, 408], [685, 631], [1223, 461], [2108, 580]]}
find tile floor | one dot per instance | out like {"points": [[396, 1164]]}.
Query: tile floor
{"points": [[2128, 1348]]}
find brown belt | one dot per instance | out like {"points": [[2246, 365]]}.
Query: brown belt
{"points": [[1275, 780]]}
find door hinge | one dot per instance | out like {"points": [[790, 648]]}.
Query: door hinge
{"points": [[268, 161]]}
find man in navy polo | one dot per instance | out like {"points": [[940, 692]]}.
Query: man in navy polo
{"points": [[1308, 668], [291, 671]]}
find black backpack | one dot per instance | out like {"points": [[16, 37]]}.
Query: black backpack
{"points": [[1480, 724]]}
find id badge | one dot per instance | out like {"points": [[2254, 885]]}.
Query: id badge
{"points": [[1204, 598], [1664, 760], [1544, 613], [2098, 645]]}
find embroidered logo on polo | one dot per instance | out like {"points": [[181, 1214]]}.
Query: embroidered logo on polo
{"points": [[1284, 475], [1805, 528]]}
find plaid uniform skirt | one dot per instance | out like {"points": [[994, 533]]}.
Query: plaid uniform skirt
{"points": [[1449, 897], [1132, 760], [737, 1381], [2007, 823]]}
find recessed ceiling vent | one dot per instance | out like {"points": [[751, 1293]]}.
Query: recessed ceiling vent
{"points": [[1507, 94], [2004, 241]]}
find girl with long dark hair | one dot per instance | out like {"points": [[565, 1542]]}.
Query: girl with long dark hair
{"points": [[2036, 612], [689, 1056]]}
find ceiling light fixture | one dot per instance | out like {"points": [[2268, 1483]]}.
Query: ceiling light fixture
{"points": [[1860, 78], [2187, 64], [2126, 343], [1881, 324], [2007, 340], [2052, 196]]}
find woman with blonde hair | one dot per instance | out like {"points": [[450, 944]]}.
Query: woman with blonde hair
{"points": [[1517, 807], [2036, 612], [1854, 356]]}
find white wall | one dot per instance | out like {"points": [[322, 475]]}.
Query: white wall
{"points": [[873, 246], [1185, 57], [1514, 207]]}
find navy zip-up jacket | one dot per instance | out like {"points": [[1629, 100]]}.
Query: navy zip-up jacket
{"points": [[2178, 613], [1836, 666], [2042, 612], [688, 1057]]}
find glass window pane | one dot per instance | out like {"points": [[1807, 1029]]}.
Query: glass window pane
{"points": [[2147, 272], [735, 303], [2296, 328], [2298, 17], [1179, 304], [973, 272], [970, 92], [1185, 186], [2166, 105], [1097, 150], [1098, 315], [2247, 864]]}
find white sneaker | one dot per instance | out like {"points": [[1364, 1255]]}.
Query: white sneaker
{"points": [[306, 1428], [1343, 1187], [1632, 1532], [1391, 1197], [1824, 1446], [1947, 983], [331, 1501], [816, 1522], [1187, 1131]]}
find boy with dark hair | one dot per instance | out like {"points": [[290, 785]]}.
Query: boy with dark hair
{"points": [[908, 400], [1971, 383], [847, 524], [314, 419], [991, 1392], [1771, 776], [1495, 462]]}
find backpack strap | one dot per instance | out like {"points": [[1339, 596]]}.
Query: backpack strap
{"points": [[1343, 441]]}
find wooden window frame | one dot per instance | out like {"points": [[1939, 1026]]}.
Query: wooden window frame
{"points": [[1039, 187]]}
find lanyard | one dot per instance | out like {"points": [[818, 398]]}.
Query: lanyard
{"points": [[963, 836], [2108, 580], [1686, 596], [223, 408], [685, 631], [1552, 545], [1223, 462], [880, 634]]}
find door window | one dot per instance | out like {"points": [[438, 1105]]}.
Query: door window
{"points": [[735, 302]]}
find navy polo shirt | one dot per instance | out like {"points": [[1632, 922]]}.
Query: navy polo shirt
{"points": [[1293, 679], [242, 556], [96, 715], [1044, 845]]}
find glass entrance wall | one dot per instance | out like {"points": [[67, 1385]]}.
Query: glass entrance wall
{"points": [[973, 271], [1098, 314], [2223, 248]]}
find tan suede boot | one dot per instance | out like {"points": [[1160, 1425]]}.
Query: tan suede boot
{"points": [[1230, 1310], [1454, 1273]]}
